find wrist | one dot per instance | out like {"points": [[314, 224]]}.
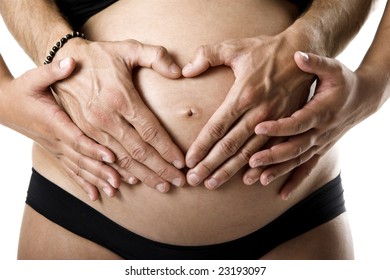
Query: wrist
{"points": [[5, 102], [61, 43], [306, 36], [68, 47], [374, 85]]}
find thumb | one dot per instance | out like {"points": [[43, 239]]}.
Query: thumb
{"points": [[205, 56], [319, 65], [44, 76]]}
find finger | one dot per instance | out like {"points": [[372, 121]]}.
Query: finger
{"points": [[157, 58], [69, 133], [321, 66], [275, 171], [252, 175], [87, 179], [88, 188], [138, 150], [152, 132], [135, 169], [42, 77], [299, 122], [125, 143], [229, 146], [215, 128], [126, 176], [94, 167], [234, 164], [297, 177], [205, 56], [293, 148]]}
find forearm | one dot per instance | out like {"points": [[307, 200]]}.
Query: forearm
{"points": [[36, 24], [375, 67], [328, 25], [5, 76]]}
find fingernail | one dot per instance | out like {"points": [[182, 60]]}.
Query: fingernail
{"points": [[107, 191], [193, 179], [160, 187], [286, 196], [212, 183], [175, 69], [257, 163], [249, 181], [269, 179], [261, 130], [304, 56], [90, 196], [187, 67], [178, 164], [107, 159], [176, 182], [132, 180], [64, 64], [110, 180]]}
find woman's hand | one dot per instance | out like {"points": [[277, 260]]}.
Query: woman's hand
{"points": [[31, 109], [341, 100], [268, 86], [101, 100]]}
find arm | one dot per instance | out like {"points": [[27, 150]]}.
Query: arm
{"points": [[34, 113], [342, 100], [269, 89], [101, 98]]}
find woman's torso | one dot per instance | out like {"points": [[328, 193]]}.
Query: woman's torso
{"points": [[189, 215]]}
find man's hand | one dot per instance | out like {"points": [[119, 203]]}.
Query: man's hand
{"points": [[101, 100], [268, 86]]}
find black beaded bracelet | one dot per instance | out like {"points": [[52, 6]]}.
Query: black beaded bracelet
{"points": [[60, 44]]}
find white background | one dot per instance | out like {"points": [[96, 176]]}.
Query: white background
{"points": [[365, 167]]}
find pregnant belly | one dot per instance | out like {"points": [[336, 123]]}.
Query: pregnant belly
{"points": [[185, 105], [188, 215]]}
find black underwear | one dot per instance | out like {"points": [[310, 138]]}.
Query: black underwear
{"points": [[74, 215]]}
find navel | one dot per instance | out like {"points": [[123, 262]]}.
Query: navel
{"points": [[190, 112]]}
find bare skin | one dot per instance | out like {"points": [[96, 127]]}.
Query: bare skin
{"points": [[325, 28], [342, 100], [183, 107]]}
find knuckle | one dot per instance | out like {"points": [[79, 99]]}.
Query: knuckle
{"points": [[297, 151], [229, 146], [149, 133], [245, 154], [79, 161], [270, 156], [225, 173], [162, 172], [102, 118], [117, 100], [298, 161], [161, 52], [77, 170], [124, 161], [248, 97], [94, 116], [217, 130], [205, 169], [202, 51], [76, 143], [139, 153]]}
